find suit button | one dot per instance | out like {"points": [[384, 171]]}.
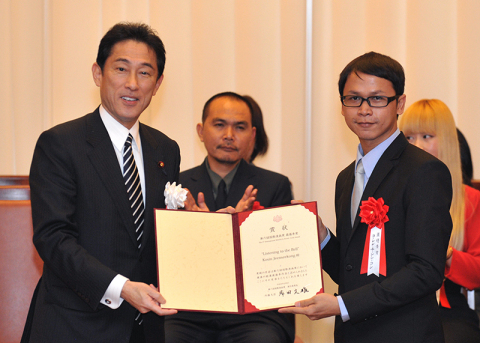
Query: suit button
{"points": [[348, 267]]}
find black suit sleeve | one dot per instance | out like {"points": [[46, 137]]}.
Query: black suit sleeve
{"points": [[426, 202], [330, 260], [54, 204], [283, 192]]}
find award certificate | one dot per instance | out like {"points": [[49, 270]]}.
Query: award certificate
{"points": [[238, 263]]}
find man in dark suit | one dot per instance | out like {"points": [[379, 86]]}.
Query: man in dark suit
{"points": [[225, 179], [389, 299], [92, 204]]}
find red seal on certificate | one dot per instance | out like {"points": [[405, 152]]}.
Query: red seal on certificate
{"points": [[257, 206], [374, 213]]}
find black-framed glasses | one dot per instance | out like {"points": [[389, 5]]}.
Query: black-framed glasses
{"points": [[372, 101]]}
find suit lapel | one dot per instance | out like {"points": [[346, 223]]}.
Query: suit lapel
{"points": [[240, 183], [237, 188], [201, 178], [155, 179], [344, 201], [105, 161], [383, 167]]}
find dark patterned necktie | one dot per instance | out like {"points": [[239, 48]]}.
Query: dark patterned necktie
{"points": [[134, 188], [221, 199]]}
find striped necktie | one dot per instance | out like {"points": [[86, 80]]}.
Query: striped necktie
{"points": [[134, 188], [135, 196]]}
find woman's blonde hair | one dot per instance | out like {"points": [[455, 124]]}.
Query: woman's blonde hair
{"points": [[432, 116]]}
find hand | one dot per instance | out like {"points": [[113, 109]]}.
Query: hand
{"points": [[191, 205], [145, 298], [320, 306], [228, 209], [246, 202], [321, 228]]}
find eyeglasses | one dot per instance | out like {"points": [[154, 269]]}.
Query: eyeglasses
{"points": [[372, 101]]}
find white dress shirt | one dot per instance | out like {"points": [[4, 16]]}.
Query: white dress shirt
{"points": [[118, 135]]}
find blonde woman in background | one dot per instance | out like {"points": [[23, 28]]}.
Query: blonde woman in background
{"points": [[429, 125]]}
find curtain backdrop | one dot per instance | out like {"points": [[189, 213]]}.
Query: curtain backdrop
{"points": [[258, 47]]}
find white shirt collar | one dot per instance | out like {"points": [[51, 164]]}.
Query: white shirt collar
{"points": [[370, 160], [117, 132]]}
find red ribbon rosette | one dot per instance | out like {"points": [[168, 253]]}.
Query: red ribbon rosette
{"points": [[374, 213]]}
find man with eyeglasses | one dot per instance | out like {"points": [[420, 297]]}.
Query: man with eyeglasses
{"points": [[388, 255]]}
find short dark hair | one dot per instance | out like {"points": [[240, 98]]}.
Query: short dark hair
{"points": [[230, 95], [373, 63], [138, 32], [261, 138], [465, 159]]}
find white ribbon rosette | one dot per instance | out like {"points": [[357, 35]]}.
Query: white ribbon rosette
{"points": [[175, 196]]}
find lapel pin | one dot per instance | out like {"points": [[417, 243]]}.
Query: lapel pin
{"points": [[161, 164]]}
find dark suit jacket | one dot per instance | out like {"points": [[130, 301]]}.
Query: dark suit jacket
{"points": [[84, 231], [402, 306], [273, 190]]}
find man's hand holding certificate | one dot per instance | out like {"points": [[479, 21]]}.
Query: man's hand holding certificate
{"points": [[239, 263]]}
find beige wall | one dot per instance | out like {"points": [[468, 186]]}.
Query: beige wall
{"points": [[256, 47]]}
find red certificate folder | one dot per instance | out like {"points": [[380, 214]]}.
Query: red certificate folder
{"points": [[238, 263]]}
